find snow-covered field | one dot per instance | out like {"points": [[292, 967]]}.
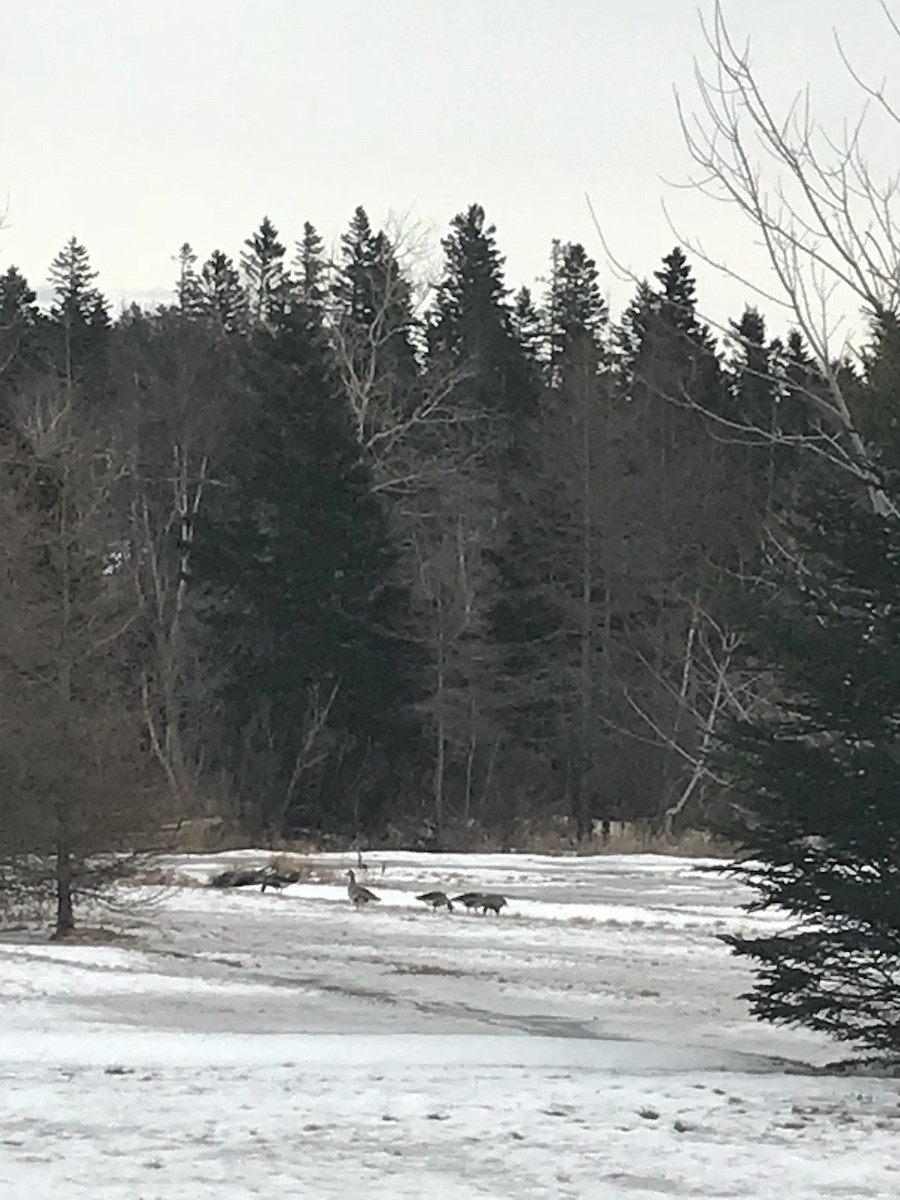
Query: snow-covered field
{"points": [[586, 1043]]}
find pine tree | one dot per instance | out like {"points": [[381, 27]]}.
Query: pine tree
{"points": [[471, 329], [813, 773], [19, 327], [187, 287], [356, 286], [267, 282], [310, 269], [220, 296], [753, 388], [306, 611], [372, 327], [80, 315], [764, 408], [527, 327], [876, 403], [575, 305]]}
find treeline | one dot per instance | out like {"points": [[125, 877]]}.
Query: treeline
{"points": [[331, 550]]}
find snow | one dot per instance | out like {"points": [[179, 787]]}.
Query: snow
{"points": [[589, 1042]]}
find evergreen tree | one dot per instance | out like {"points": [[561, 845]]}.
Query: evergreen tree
{"points": [[814, 773], [766, 407], [310, 269], [305, 609], [220, 295], [528, 330], [575, 305], [876, 407], [356, 285], [372, 326], [267, 283], [80, 316], [187, 287], [753, 387], [19, 327], [471, 330]]}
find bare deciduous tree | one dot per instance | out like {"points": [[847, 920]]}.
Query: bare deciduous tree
{"points": [[829, 228], [77, 787]]}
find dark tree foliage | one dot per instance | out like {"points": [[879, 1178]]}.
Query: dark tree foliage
{"points": [[20, 329], [355, 286], [876, 401], [187, 285], [814, 774], [575, 304], [303, 607], [472, 327], [676, 339], [374, 323], [310, 269], [79, 319], [267, 283], [221, 297], [528, 329]]}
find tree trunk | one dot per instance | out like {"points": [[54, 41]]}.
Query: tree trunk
{"points": [[441, 747], [586, 698], [65, 916]]}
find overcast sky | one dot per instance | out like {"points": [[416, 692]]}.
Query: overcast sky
{"points": [[140, 124]]}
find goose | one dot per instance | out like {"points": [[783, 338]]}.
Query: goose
{"points": [[492, 901], [436, 900], [358, 894], [469, 899]]}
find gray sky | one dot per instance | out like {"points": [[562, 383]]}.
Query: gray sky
{"points": [[140, 124]]}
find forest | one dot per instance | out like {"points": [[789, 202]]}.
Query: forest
{"points": [[328, 549]]}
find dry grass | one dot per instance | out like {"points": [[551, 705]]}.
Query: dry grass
{"points": [[426, 969], [94, 935], [626, 837]]}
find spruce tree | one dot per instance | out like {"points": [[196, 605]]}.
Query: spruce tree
{"points": [[471, 331], [221, 297], [80, 318], [753, 386], [813, 772], [305, 609], [876, 402], [310, 269], [372, 327], [527, 326], [575, 305], [20, 325], [355, 286], [765, 405], [266, 280], [187, 286]]}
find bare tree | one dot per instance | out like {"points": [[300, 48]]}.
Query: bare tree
{"points": [[829, 228], [450, 587], [178, 384], [77, 786], [398, 409]]}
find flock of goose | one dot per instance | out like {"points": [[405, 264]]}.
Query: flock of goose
{"points": [[484, 902]]}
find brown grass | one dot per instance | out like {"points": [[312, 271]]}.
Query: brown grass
{"points": [[626, 837], [99, 935], [425, 969], [209, 835]]}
